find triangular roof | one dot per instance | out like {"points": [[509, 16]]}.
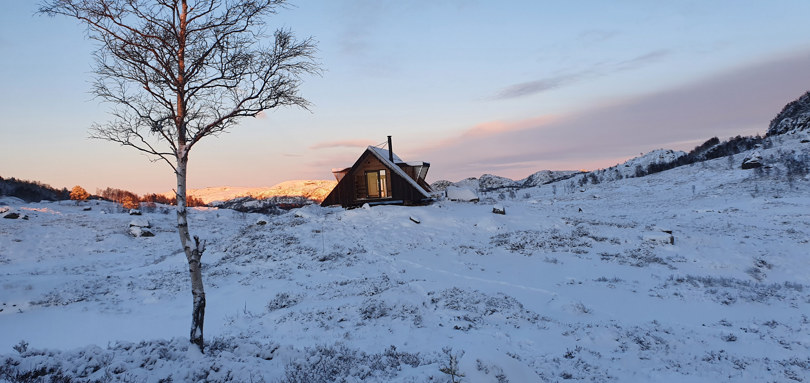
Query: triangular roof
{"points": [[409, 191], [383, 154]]}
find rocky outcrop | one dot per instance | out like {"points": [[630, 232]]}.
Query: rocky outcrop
{"points": [[462, 194], [139, 227], [440, 185], [492, 182], [794, 117], [9, 213], [752, 161], [547, 176]]}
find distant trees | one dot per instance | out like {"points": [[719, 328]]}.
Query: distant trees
{"points": [[78, 194], [130, 200], [177, 71], [31, 191]]}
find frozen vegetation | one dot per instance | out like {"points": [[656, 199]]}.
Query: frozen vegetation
{"points": [[695, 274]]}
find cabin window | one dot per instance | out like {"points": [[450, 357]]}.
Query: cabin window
{"points": [[376, 184]]}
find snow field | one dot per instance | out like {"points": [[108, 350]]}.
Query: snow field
{"points": [[572, 284]]}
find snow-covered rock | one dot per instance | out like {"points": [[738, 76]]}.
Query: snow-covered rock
{"points": [[752, 160], [12, 214], [139, 222], [137, 231], [462, 194], [139, 227]]}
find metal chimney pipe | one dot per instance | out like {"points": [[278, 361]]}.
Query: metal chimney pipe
{"points": [[390, 150]]}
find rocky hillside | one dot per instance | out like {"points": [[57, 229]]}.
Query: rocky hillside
{"points": [[795, 116], [489, 182]]}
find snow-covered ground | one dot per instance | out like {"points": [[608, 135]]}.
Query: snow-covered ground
{"points": [[571, 284]]}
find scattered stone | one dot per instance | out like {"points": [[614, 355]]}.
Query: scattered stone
{"points": [[139, 222], [498, 209], [137, 231], [461, 194], [752, 161], [87, 208], [11, 214], [261, 222], [415, 220], [663, 236], [134, 212]]}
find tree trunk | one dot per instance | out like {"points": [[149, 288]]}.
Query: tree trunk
{"points": [[194, 251]]}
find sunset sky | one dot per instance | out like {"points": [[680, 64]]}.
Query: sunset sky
{"points": [[508, 88]]}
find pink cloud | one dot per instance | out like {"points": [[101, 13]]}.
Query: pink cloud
{"points": [[343, 144], [738, 102]]}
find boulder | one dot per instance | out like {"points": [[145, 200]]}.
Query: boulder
{"points": [[498, 209], [752, 161], [462, 194], [134, 212], [137, 231], [12, 214], [662, 235], [139, 222]]}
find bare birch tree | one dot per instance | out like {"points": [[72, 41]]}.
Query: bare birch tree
{"points": [[177, 71]]}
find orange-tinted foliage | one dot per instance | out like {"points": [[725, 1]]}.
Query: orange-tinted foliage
{"points": [[129, 199]]}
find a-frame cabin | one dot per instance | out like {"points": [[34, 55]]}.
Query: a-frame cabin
{"points": [[380, 177]]}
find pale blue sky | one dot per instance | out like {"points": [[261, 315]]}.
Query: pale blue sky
{"points": [[473, 87]]}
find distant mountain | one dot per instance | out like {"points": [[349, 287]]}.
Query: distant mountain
{"points": [[315, 190], [637, 166], [489, 182], [547, 176], [795, 116]]}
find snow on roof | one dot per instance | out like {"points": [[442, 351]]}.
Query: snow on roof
{"points": [[382, 155]]}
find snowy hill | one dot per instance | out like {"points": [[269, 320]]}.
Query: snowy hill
{"points": [[315, 190], [794, 117], [695, 274], [631, 167], [547, 176], [489, 182]]}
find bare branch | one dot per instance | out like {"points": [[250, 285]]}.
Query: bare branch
{"points": [[177, 71]]}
